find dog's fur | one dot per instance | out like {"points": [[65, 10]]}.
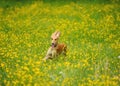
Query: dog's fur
{"points": [[55, 48]]}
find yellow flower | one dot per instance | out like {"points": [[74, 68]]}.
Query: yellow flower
{"points": [[2, 65]]}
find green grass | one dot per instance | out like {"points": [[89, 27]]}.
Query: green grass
{"points": [[90, 29]]}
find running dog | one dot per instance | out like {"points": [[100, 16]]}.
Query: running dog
{"points": [[55, 48]]}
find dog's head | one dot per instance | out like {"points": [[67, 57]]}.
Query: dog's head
{"points": [[55, 36]]}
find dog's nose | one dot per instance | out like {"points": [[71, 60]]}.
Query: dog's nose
{"points": [[52, 43]]}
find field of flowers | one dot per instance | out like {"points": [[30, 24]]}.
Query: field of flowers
{"points": [[90, 30]]}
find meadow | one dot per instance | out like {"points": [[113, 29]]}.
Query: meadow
{"points": [[90, 29]]}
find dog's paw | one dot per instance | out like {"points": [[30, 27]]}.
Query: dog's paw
{"points": [[44, 59]]}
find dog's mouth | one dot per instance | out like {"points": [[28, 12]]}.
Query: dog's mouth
{"points": [[53, 45]]}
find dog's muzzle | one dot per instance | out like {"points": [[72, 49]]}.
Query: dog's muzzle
{"points": [[53, 45]]}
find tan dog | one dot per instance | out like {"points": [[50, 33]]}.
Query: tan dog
{"points": [[55, 48]]}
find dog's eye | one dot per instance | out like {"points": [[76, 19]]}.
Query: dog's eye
{"points": [[55, 39]]}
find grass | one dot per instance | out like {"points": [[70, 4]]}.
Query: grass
{"points": [[90, 29]]}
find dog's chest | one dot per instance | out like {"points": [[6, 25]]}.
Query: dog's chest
{"points": [[52, 50]]}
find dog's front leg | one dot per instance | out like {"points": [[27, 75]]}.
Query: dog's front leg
{"points": [[49, 54], [54, 53]]}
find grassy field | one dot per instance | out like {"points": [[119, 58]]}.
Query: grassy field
{"points": [[91, 31]]}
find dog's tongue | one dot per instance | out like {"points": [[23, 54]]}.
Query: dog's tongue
{"points": [[52, 46]]}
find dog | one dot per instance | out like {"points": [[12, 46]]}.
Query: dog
{"points": [[55, 48]]}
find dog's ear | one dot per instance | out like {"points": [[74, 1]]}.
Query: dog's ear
{"points": [[54, 34], [58, 34]]}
